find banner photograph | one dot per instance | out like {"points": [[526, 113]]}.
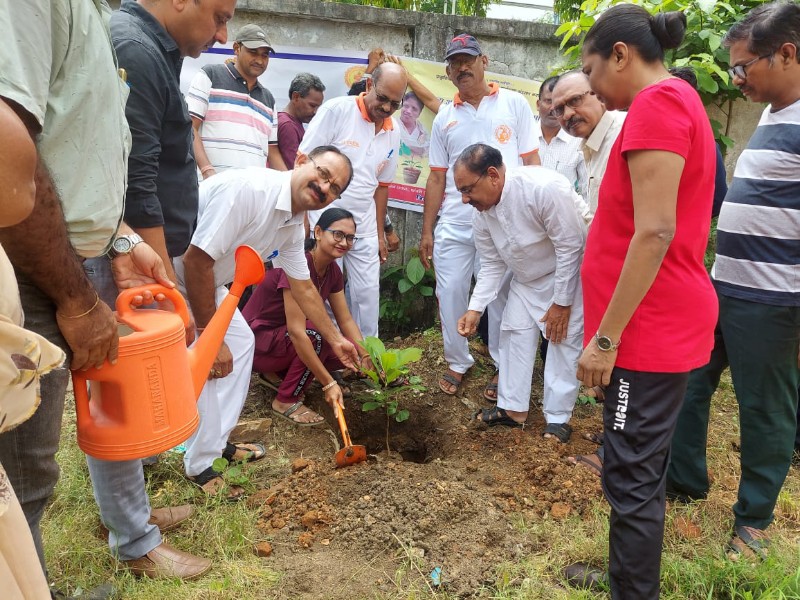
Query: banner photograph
{"points": [[338, 70]]}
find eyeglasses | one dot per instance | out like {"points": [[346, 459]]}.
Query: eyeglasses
{"points": [[326, 177], [740, 70], [395, 104], [461, 60], [341, 236], [466, 191], [574, 102]]}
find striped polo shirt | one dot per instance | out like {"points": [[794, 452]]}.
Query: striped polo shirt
{"points": [[238, 124], [758, 233]]}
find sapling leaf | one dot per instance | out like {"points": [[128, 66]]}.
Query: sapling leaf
{"points": [[401, 416], [368, 406]]}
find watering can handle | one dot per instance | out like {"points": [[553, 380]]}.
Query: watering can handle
{"points": [[126, 297]]}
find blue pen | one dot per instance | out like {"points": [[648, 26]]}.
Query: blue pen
{"points": [[273, 255], [390, 154]]}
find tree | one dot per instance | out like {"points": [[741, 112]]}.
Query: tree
{"points": [[707, 22]]}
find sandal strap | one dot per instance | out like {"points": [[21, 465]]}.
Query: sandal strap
{"points": [[450, 378], [205, 476], [288, 412]]}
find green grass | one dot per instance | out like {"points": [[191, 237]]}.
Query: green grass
{"points": [[692, 569]]}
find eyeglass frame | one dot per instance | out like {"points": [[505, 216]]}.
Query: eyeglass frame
{"points": [[340, 236], [466, 191], [395, 105], [740, 71], [574, 102], [326, 178]]}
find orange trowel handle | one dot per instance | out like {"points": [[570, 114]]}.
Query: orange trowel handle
{"points": [[343, 426], [126, 297]]}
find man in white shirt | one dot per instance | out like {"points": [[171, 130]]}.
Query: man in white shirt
{"points": [[582, 115], [480, 112], [558, 150], [264, 209], [362, 128], [526, 223]]}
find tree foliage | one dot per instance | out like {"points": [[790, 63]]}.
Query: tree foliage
{"points": [[707, 23]]}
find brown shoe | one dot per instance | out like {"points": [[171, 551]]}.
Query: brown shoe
{"points": [[170, 517], [166, 562], [167, 519]]}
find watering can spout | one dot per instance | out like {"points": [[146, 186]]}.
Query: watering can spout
{"points": [[249, 270]]}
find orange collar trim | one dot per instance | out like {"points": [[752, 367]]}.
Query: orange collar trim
{"points": [[493, 89], [388, 124]]}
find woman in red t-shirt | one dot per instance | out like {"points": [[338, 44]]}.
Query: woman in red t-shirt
{"points": [[649, 305], [288, 345]]}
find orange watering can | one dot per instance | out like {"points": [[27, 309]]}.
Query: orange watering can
{"points": [[147, 402]]}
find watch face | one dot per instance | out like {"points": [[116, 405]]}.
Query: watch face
{"points": [[122, 245], [604, 343]]}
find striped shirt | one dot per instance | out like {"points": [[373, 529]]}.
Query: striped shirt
{"points": [[758, 233], [238, 124], [563, 154]]}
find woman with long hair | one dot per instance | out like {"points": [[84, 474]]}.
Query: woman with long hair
{"points": [[649, 305], [287, 344]]}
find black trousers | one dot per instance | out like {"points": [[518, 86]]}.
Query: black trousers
{"points": [[639, 416]]}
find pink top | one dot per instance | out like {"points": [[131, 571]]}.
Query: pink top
{"points": [[672, 329]]}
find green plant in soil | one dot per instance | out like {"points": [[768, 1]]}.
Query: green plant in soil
{"points": [[387, 379], [405, 287], [232, 473]]}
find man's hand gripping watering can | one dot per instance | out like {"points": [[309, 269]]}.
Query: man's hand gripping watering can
{"points": [[147, 402]]}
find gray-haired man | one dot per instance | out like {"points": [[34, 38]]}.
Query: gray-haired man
{"points": [[305, 97]]}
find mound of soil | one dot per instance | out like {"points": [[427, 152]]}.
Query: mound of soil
{"points": [[442, 498]]}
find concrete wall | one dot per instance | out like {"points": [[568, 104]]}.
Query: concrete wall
{"points": [[524, 49]]}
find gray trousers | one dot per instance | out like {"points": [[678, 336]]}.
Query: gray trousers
{"points": [[119, 485]]}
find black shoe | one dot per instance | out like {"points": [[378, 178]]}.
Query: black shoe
{"points": [[585, 576]]}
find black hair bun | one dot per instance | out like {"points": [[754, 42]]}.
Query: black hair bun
{"points": [[669, 28]]}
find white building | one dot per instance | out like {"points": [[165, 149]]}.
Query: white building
{"points": [[522, 10]]}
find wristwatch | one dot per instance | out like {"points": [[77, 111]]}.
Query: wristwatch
{"points": [[124, 244], [604, 343]]}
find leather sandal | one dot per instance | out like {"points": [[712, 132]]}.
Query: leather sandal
{"points": [[451, 379], [491, 388], [748, 542], [593, 462], [559, 431], [292, 412], [584, 576], [247, 452], [491, 417]]}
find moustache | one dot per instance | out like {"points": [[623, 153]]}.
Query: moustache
{"points": [[573, 121], [463, 75], [321, 196]]}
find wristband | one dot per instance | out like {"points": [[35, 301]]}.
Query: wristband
{"points": [[206, 169], [325, 388]]}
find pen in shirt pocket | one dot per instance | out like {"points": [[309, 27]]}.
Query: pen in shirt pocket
{"points": [[388, 156], [268, 260]]}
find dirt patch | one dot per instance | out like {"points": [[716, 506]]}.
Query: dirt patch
{"points": [[443, 498]]}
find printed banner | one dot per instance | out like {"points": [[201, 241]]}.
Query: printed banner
{"points": [[338, 69]]}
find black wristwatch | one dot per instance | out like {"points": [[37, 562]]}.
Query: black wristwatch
{"points": [[605, 344], [124, 244]]}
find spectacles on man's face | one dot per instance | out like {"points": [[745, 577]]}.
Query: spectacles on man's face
{"points": [[326, 177], [740, 71], [466, 191], [383, 100], [461, 60], [341, 236], [574, 102]]}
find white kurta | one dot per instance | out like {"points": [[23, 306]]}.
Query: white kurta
{"points": [[240, 206], [504, 120], [536, 233]]}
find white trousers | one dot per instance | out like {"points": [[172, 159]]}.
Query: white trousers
{"points": [[221, 400], [519, 339], [363, 266], [456, 261]]}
